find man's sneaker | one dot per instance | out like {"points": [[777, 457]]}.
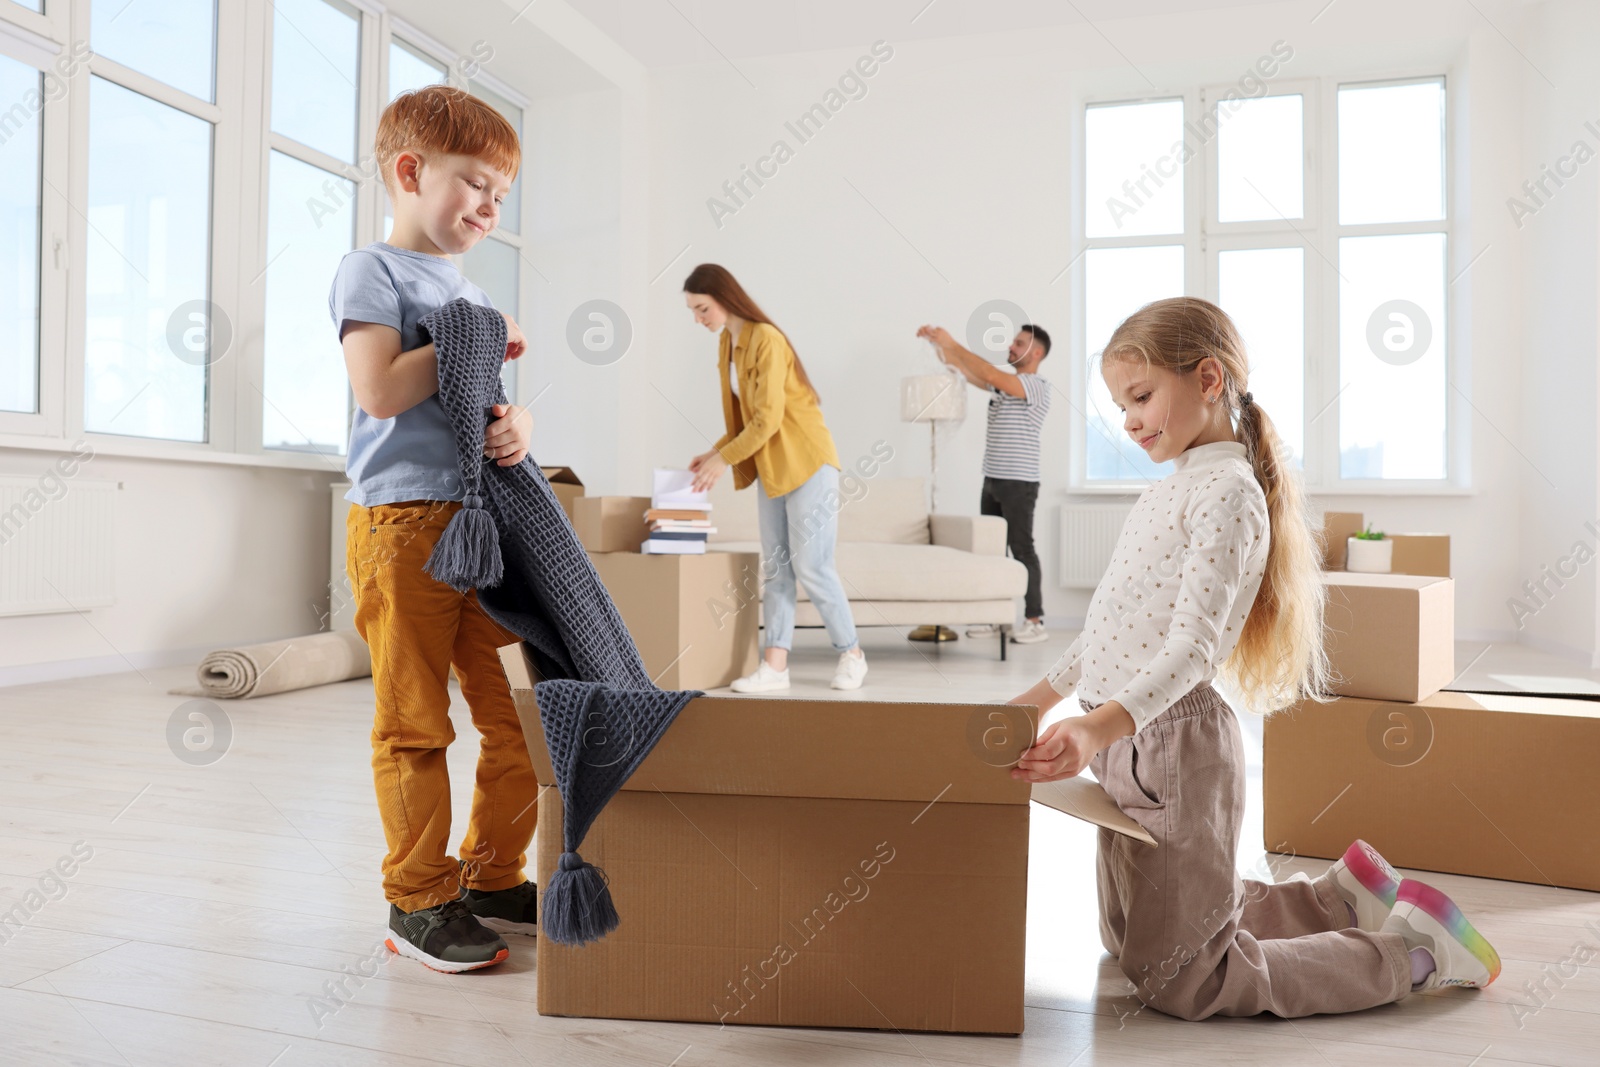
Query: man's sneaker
{"points": [[764, 680], [1030, 633], [852, 671], [447, 938], [986, 629], [1367, 883], [1428, 919], [508, 911]]}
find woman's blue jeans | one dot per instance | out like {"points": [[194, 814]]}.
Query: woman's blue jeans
{"points": [[798, 533]]}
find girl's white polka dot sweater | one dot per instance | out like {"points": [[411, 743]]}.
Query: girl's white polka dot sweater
{"points": [[1174, 598]]}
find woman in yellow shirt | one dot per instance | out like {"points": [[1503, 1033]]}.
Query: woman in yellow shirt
{"points": [[775, 435]]}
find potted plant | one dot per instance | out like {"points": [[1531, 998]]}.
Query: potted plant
{"points": [[1370, 552]]}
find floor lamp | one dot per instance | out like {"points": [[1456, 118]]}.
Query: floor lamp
{"points": [[933, 399]]}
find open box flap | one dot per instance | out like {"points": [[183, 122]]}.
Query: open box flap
{"points": [[850, 749], [1084, 798]]}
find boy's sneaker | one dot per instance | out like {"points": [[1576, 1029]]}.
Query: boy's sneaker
{"points": [[764, 680], [1429, 920], [447, 938], [1367, 883], [508, 911], [851, 672], [1029, 633], [983, 629]]}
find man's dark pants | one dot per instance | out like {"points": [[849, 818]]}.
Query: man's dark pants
{"points": [[1013, 501]]}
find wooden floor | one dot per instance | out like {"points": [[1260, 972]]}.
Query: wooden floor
{"points": [[219, 902]]}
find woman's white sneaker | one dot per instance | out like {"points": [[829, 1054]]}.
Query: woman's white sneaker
{"points": [[852, 671], [764, 680]]}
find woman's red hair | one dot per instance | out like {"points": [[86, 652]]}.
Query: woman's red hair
{"points": [[715, 281]]}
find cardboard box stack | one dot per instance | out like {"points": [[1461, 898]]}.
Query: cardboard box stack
{"points": [[1426, 554], [770, 867], [679, 518], [1337, 529], [691, 631], [567, 485], [694, 615], [1483, 784], [610, 523], [1390, 636], [1414, 553]]}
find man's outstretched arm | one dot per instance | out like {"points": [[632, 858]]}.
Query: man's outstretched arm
{"points": [[973, 367]]}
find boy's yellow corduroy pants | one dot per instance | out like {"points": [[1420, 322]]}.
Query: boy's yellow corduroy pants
{"points": [[417, 629]]}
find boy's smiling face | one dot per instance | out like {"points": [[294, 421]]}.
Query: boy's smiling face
{"points": [[446, 203]]}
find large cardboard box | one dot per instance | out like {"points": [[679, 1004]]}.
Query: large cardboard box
{"points": [[1390, 636], [1490, 785], [610, 523], [1337, 528], [798, 863], [567, 485], [1427, 554], [694, 618]]}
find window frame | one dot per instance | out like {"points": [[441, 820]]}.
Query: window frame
{"points": [[29, 41], [242, 142], [1203, 239]]}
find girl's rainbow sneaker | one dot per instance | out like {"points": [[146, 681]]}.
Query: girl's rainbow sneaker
{"points": [[1367, 883], [1428, 919]]}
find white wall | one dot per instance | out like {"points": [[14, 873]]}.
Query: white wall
{"points": [[1559, 346], [204, 555], [964, 148]]}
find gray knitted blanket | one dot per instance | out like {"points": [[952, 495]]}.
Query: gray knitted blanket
{"points": [[511, 541]]}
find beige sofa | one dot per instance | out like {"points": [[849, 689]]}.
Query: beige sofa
{"points": [[899, 565]]}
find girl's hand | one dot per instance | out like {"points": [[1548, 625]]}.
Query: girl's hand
{"points": [[516, 344], [1067, 746], [707, 467], [505, 440]]}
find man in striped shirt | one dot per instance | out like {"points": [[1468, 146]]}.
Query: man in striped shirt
{"points": [[1018, 403]]}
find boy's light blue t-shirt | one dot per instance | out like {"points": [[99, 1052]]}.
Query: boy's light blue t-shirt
{"points": [[413, 455]]}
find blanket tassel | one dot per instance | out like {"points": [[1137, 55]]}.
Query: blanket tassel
{"points": [[468, 553], [577, 905]]}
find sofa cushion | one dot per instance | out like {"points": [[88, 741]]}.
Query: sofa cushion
{"points": [[734, 513], [889, 510], [885, 510], [880, 571]]}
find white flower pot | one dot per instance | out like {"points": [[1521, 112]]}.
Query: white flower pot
{"points": [[1369, 557]]}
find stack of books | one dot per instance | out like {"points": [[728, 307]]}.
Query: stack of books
{"points": [[679, 518]]}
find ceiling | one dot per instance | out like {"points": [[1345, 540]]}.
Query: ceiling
{"points": [[662, 33]]}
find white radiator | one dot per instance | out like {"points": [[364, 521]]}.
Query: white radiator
{"points": [[341, 598], [56, 540], [1088, 537]]}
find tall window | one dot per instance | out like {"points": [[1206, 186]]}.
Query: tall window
{"points": [[311, 222], [1135, 223], [1392, 247], [493, 264], [148, 334], [1216, 193], [409, 68], [19, 237]]}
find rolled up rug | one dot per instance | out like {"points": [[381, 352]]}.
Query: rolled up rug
{"points": [[281, 666]]}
